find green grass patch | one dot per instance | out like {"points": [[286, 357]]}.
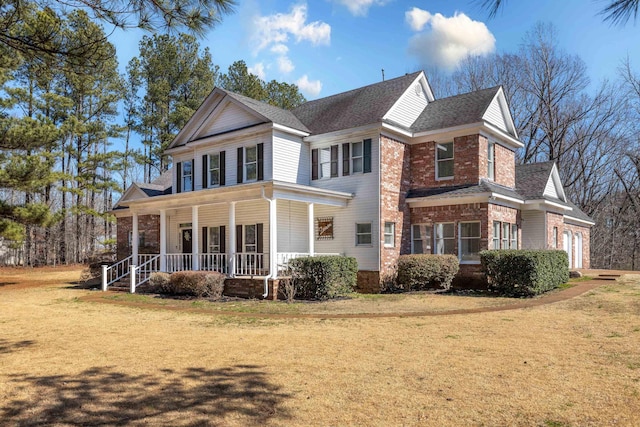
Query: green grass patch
{"points": [[569, 284]]}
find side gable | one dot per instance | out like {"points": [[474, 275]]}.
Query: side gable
{"points": [[411, 103], [554, 187]]}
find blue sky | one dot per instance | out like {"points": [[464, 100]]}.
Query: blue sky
{"points": [[330, 46]]}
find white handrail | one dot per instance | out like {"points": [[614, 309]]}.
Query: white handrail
{"points": [[144, 271], [213, 262], [251, 264], [114, 273]]}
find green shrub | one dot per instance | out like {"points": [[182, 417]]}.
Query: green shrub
{"points": [[323, 277], [208, 284], [419, 272], [524, 273]]}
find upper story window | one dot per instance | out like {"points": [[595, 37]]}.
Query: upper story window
{"points": [[213, 169], [329, 162], [491, 163], [250, 163], [184, 176], [356, 158], [444, 160]]}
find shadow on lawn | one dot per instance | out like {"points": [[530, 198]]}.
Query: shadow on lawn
{"points": [[7, 346], [102, 396]]}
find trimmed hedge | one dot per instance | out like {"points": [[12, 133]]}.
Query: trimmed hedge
{"points": [[200, 284], [324, 277], [524, 273], [419, 272]]}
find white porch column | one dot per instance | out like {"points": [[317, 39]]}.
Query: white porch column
{"points": [[312, 235], [135, 239], [195, 238], [163, 240], [231, 253], [273, 238]]}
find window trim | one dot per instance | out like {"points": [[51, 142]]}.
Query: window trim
{"points": [[505, 242], [491, 160], [185, 176], [370, 234], [245, 245], [426, 240], [391, 234], [352, 158], [438, 161], [497, 226], [514, 236], [246, 163], [321, 163], [554, 237], [211, 169], [460, 238], [435, 237]]}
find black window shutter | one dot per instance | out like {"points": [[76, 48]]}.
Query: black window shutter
{"points": [[259, 243], [260, 162], [193, 176], [345, 159], [205, 235], [314, 164], [334, 161], [223, 168], [179, 177], [239, 238], [223, 240], [367, 156], [240, 164], [205, 171]]}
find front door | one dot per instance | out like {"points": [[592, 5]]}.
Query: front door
{"points": [[187, 248]]}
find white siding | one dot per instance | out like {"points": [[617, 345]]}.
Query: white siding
{"points": [[409, 106], [229, 117], [550, 189], [362, 209], [291, 159], [293, 231], [533, 230], [495, 115]]}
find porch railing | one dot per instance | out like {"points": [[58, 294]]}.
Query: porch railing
{"points": [[116, 272], [251, 264], [144, 270], [213, 262], [178, 262]]}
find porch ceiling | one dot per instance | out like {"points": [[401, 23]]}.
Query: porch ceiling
{"points": [[237, 193]]}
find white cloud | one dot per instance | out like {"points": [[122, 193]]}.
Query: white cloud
{"points": [[285, 65], [449, 39], [280, 49], [258, 70], [278, 28], [417, 18], [312, 88], [360, 7]]}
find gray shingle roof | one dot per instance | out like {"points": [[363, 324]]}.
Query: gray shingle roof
{"points": [[578, 213], [159, 186], [463, 190], [270, 112], [456, 110], [358, 107], [532, 178]]}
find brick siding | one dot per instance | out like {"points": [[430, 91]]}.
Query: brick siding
{"points": [[147, 224]]}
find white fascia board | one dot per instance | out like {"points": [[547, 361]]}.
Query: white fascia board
{"points": [[419, 202], [307, 189], [542, 204], [506, 112], [351, 132], [496, 132], [578, 220], [513, 200], [396, 130], [195, 122], [292, 131], [448, 133], [555, 175], [253, 130]]}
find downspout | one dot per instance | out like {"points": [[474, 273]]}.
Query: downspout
{"points": [[272, 274]]}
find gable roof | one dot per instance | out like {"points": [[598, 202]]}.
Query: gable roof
{"points": [[355, 108], [455, 110], [269, 112], [532, 178], [158, 187]]}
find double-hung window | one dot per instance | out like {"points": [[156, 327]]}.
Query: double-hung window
{"points": [[496, 234], [251, 163], [491, 155], [444, 160], [555, 237], [506, 235], [357, 155], [325, 162], [469, 242], [420, 239], [187, 175], [214, 240], [250, 238], [514, 236], [363, 234], [445, 238], [389, 234], [214, 169]]}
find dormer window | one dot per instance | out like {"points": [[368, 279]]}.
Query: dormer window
{"points": [[491, 164], [444, 160]]}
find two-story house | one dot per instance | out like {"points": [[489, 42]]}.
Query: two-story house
{"points": [[372, 173]]}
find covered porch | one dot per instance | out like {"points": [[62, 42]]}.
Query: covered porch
{"points": [[250, 230]]}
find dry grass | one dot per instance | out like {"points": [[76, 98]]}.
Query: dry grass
{"points": [[69, 362]]}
